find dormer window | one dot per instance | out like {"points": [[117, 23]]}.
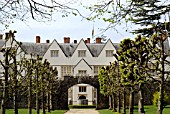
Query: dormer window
{"points": [[54, 53], [81, 53], [109, 53]]}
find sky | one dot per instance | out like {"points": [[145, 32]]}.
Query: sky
{"points": [[72, 26]]}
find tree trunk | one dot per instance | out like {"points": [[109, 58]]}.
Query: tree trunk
{"points": [[141, 100], [15, 94], [114, 104], [161, 88], [37, 94], [48, 92], [5, 85], [160, 100], [48, 101], [131, 101], [110, 102], [43, 102], [37, 103], [118, 102], [30, 94], [124, 102], [43, 95], [4, 96]]}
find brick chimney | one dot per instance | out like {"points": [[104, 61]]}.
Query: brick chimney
{"points": [[66, 39], [85, 41], [47, 41], [88, 40], [75, 41], [37, 39], [98, 40]]}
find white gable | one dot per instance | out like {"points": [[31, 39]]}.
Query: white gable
{"points": [[55, 60], [108, 46], [81, 46], [102, 59], [82, 65]]}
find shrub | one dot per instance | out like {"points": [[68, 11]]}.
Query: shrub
{"points": [[156, 97], [82, 106]]}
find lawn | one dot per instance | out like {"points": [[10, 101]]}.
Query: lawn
{"points": [[148, 109], [25, 111]]}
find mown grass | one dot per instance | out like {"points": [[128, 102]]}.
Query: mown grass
{"points": [[148, 109], [25, 111]]}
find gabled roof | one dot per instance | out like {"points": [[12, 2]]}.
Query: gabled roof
{"points": [[79, 44], [54, 41], [84, 61], [116, 47], [95, 49], [68, 49]]}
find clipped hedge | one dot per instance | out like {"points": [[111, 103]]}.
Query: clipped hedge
{"points": [[82, 106]]}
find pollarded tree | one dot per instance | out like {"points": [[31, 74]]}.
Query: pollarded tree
{"points": [[15, 74], [158, 63], [109, 83], [127, 66], [141, 58], [10, 52], [105, 86]]}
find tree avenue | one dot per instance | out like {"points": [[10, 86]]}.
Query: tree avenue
{"points": [[23, 77], [139, 63], [152, 19]]}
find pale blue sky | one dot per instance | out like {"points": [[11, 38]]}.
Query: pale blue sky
{"points": [[71, 26]]}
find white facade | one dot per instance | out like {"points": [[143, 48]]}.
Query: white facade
{"points": [[72, 59], [82, 59]]}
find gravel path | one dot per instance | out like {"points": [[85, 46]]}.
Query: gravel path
{"points": [[82, 111]]}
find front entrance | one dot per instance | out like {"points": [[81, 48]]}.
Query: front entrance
{"points": [[82, 97], [82, 100]]}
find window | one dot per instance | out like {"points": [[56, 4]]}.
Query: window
{"points": [[54, 53], [109, 53], [82, 72], [82, 88], [81, 53], [97, 69], [66, 70]]}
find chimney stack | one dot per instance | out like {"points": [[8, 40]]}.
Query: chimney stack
{"points": [[75, 41], [85, 41], [98, 40], [66, 39], [47, 41], [37, 39], [88, 40]]}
